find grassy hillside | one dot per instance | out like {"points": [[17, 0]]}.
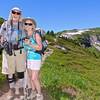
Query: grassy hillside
{"points": [[78, 69], [70, 75]]}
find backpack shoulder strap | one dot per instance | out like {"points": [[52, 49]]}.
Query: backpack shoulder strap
{"points": [[34, 36], [20, 30]]}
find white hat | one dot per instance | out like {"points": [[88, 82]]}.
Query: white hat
{"points": [[16, 9], [29, 18]]}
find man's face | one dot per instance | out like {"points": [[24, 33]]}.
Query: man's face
{"points": [[16, 15]]}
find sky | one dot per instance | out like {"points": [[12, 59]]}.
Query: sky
{"points": [[57, 15]]}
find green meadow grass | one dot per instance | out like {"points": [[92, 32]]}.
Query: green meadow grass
{"points": [[78, 68]]}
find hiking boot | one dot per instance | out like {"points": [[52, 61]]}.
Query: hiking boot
{"points": [[21, 91], [10, 97], [10, 94], [39, 97], [17, 91], [22, 97], [32, 94]]}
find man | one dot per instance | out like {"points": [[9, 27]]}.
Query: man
{"points": [[11, 32]]}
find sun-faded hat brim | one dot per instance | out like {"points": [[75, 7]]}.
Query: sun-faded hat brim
{"points": [[33, 21]]}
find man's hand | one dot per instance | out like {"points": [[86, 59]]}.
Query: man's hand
{"points": [[1, 39]]}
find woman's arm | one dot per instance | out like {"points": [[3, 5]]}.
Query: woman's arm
{"points": [[38, 46]]}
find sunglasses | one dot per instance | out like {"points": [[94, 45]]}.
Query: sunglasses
{"points": [[17, 13], [29, 24]]}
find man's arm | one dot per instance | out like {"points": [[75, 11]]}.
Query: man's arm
{"points": [[3, 30]]}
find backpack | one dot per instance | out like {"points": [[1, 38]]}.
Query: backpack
{"points": [[42, 33]]}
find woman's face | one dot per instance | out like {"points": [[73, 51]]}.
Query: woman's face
{"points": [[15, 15], [29, 26]]}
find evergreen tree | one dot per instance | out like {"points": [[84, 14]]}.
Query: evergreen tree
{"points": [[1, 20], [48, 32]]}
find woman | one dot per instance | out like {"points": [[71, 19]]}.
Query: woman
{"points": [[14, 55], [32, 44]]}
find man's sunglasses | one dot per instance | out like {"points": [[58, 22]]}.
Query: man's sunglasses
{"points": [[14, 12], [29, 24]]}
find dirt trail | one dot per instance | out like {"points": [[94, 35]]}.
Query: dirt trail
{"points": [[4, 89]]}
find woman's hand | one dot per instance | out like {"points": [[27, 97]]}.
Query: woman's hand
{"points": [[27, 41]]}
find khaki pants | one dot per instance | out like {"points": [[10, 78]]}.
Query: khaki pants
{"points": [[4, 64], [17, 62]]}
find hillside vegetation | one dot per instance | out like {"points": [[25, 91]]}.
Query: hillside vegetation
{"points": [[77, 70], [70, 74]]}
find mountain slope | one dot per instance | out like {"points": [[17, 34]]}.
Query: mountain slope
{"points": [[77, 68]]}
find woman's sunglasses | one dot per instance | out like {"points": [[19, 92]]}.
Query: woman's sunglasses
{"points": [[17, 13], [29, 24]]}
